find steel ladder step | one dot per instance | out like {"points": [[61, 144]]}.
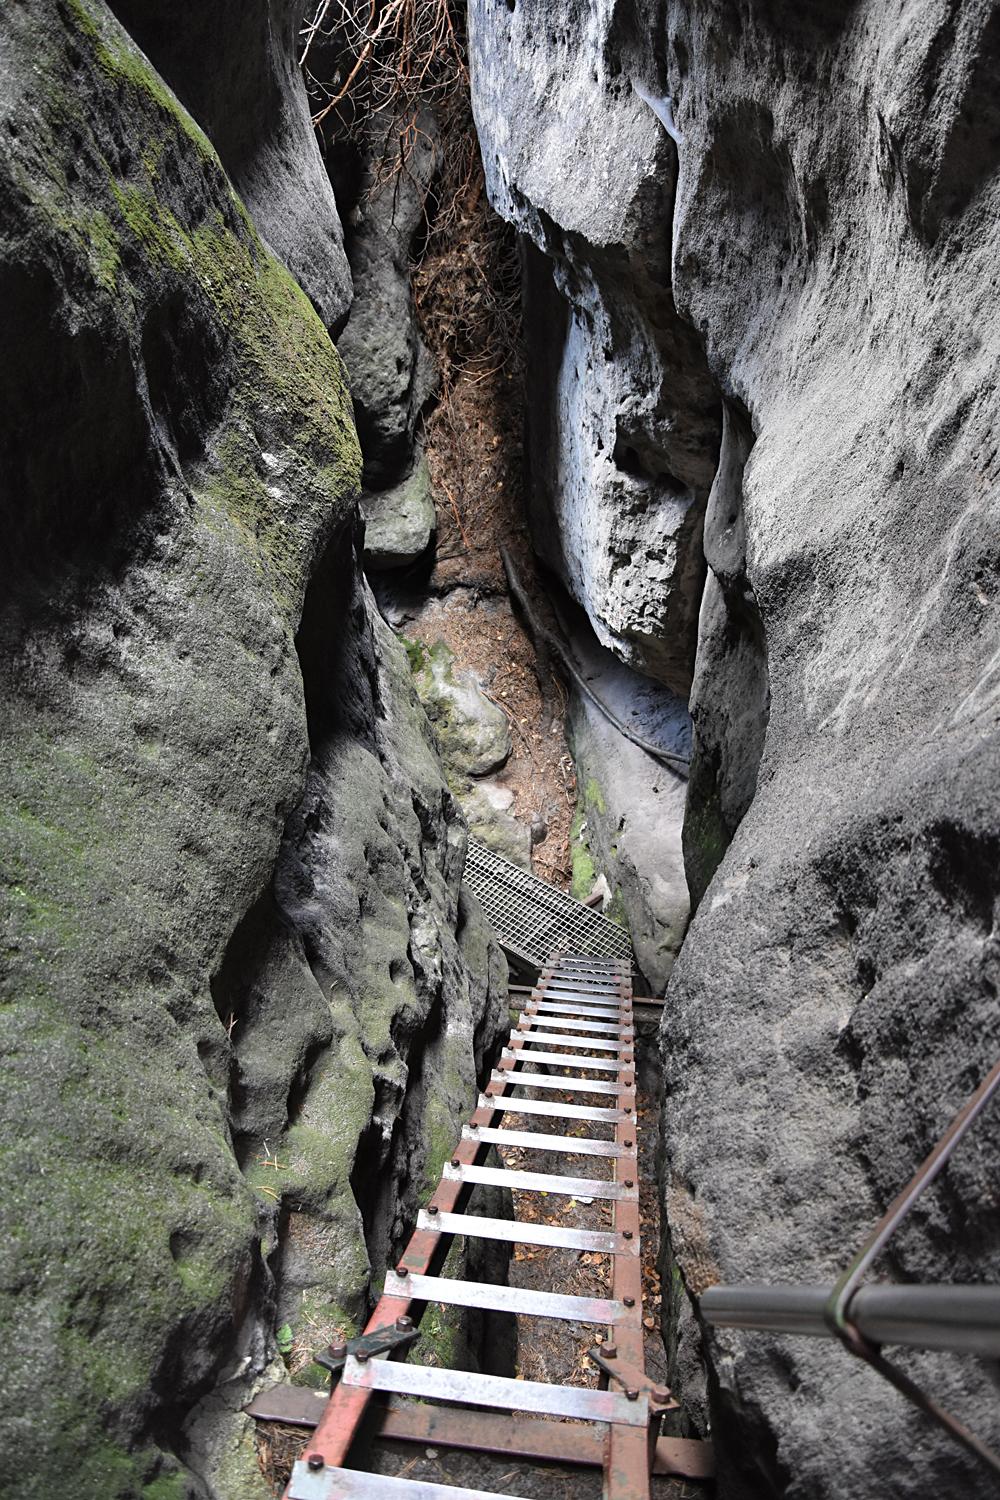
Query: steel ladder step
{"points": [[555, 1008], [497, 1390], [586, 1003], [540, 1182], [582, 986], [505, 1104], [602, 1028], [567, 1060], [557, 1085], [514, 1299], [537, 1140], [522, 1232], [557, 1039], [354, 1484], [588, 965]]}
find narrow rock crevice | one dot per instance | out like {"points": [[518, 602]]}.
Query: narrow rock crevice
{"points": [[648, 338], [730, 694]]}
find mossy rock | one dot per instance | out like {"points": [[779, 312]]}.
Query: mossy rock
{"points": [[399, 522], [472, 733], [486, 806], [584, 869], [179, 452]]}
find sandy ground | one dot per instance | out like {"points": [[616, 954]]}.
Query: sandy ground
{"points": [[486, 637]]}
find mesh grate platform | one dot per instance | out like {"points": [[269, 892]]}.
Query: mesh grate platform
{"points": [[533, 920]]}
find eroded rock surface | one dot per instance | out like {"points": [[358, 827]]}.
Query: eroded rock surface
{"points": [[241, 987], [833, 243], [623, 416], [839, 985], [235, 67]]}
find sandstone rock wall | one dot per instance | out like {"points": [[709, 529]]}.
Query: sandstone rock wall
{"points": [[235, 67], [632, 803], [833, 234], [624, 416], [243, 999]]}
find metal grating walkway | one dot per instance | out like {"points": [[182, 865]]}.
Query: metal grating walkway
{"points": [[532, 919]]}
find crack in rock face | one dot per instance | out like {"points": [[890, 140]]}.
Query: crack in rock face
{"points": [[814, 242]]}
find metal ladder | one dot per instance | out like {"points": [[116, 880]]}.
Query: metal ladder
{"points": [[579, 1016]]}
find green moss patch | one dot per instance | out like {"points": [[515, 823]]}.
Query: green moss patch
{"points": [[584, 869]]}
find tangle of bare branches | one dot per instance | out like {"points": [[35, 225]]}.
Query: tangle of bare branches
{"points": [[395, 58], [375, 69]]}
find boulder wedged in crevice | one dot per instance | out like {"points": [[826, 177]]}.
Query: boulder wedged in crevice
{"points": [[630, 807], [399, 521], [730, 694]]}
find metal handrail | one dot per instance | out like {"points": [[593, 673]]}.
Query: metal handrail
{"points": [[863, 1318], [961, 1318]]}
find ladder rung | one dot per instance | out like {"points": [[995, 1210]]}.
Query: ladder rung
{"points": [[507, 1105], [353, 1484], [512, 1299], [537, 1140], [560, 1085], [603, 977], [587, 989], [598, 965], [600, 1027], [583, 1002], [520, 1232], [556, 1039], [555, 1008], [568, 1060], [539, 1182], [497, 1390]]}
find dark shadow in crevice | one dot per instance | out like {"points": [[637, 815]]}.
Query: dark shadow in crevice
{"points": [[730, 699], [336, 650], [635, 458]]}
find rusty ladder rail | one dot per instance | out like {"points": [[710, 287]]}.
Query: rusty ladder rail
{"points": [[578, 1006]]}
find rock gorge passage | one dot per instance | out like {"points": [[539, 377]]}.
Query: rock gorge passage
{"points": [[589, 380]]}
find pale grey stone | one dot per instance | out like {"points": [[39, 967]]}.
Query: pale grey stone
{"points": [[623, 418], [473, 733], [399, 522]]}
